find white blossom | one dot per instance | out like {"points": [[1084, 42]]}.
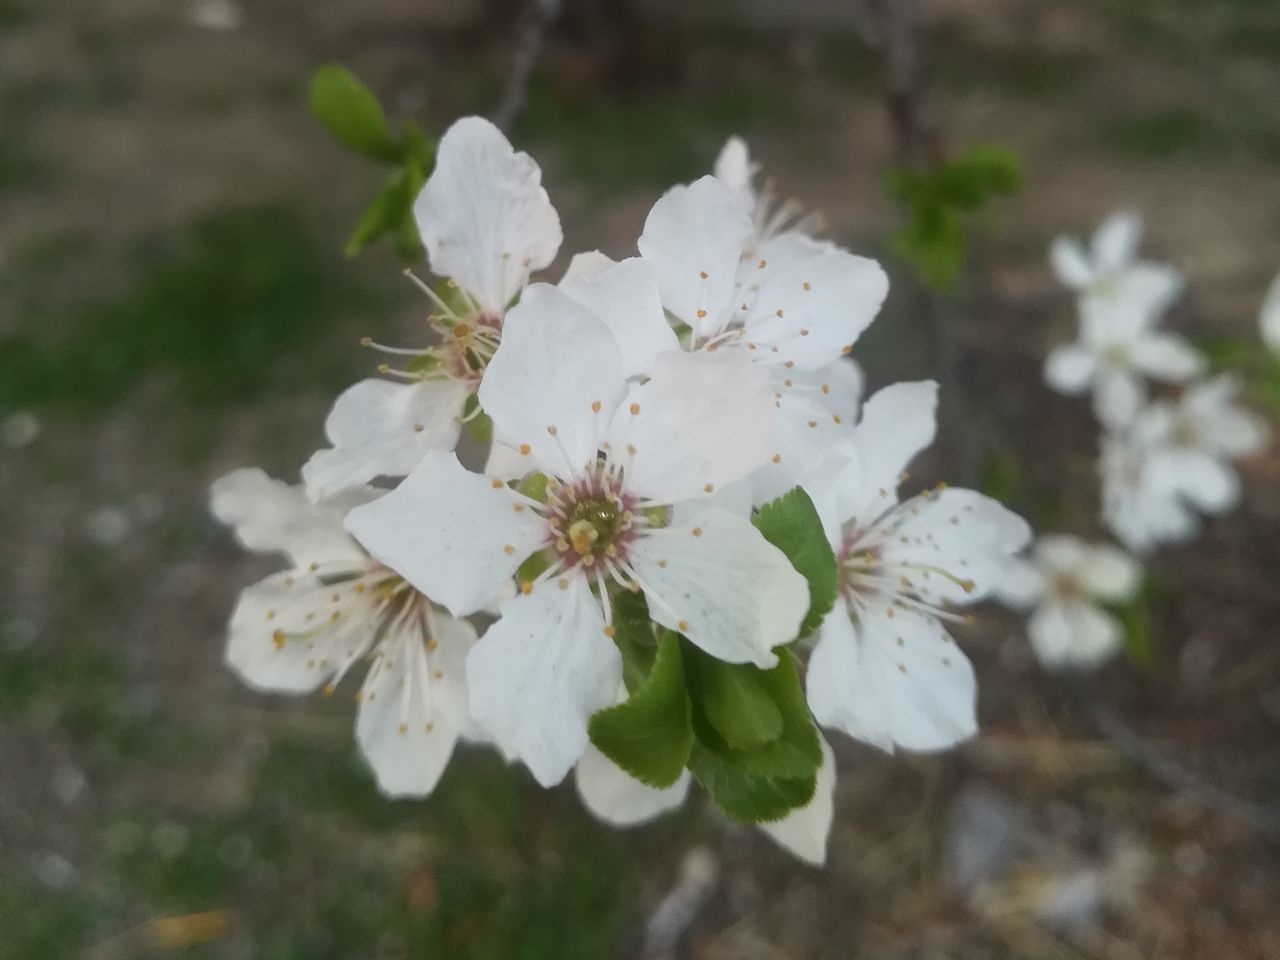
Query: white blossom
{"points": [[1108, 269], [884, 668], [301, 629], [486, 223], [1175, 460], [769, 218], [1062, 582], [792, 306], [1118, 347], [621, 460]]}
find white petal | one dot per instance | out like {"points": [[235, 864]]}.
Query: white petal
{"points": [[807, 428], [587, 266], [1061, 554], [403, 733], [954, 545], [1166, 357], [810, 301], [1070, 263], [1116, 241], [804, 832], [1109, 573], [1073, 634], [897, 423], [1021, 585], [448, 661], [288, 635], [625, 296], [507, 463], [1208, 483], [539, 673], [1110, 323], [723, 586], [483, 215], [268, 516], [695, 235], [453, 534], [1147, 287], [1070, 369], [1118, 397], [617, 798], [703, 419], [892, 681], [1269, 319], [735, 169], [1222, 427], [379, 428], [558, 370]]}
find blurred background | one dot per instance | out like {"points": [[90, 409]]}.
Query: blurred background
{"points": [[174, 303]]}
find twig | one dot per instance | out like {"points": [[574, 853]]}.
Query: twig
{"points": [[918, 147], [1265, 818], [542, 14]]}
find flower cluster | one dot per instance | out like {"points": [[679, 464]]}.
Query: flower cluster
{"points": [[1162, 462], [684, 499]]}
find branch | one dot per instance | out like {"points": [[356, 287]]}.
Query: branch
{"points": [[542, 14]]}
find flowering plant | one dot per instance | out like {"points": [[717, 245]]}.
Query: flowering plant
{"points": [[684, 502]]}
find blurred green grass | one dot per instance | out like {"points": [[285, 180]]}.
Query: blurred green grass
{"points": [[235, 308]]}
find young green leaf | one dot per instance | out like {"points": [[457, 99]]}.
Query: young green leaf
{"points": [[795, 752], [650, 735], [791, 524], [748, 797], [735, 700], [352, 114], [633, 636], [383, 216]]}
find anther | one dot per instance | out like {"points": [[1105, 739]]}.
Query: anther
{"points": [[418, 428], [609, 631], [702, 274], [552, 429], [778, 312], [762, 264], [806, 285], [277, 637], [635, 408], [526, 587], [508, 549], [777, 458], [701, 313], [524, 449], [696, 531], [804, 332], [496, 483], [595, 406], [708, 488], [682, 626]]}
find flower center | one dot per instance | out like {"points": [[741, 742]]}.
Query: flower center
{"points": [[882, 562], [589, 518]]}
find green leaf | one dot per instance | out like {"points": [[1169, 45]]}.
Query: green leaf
{"points": [[745, 796], [352, 114], [633, 635], [650, 735], [795, 752], [419, 147], [479, 425], [384, 215], [735, 700], [792, 525]]}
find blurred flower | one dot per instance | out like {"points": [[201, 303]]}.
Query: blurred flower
{"points": [[884, 669], [222, 15], [794, 307], [108, 526], [769, 219], [306, 626], [19, 429], [1061, 580], [620, 461], [486, 223], [1270, 318], [1108, 270], [1117, 348], [1175, 457]]}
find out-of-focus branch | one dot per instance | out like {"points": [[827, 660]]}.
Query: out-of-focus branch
{"points": [[1172, 772], [918, 147], [533, 37]]}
